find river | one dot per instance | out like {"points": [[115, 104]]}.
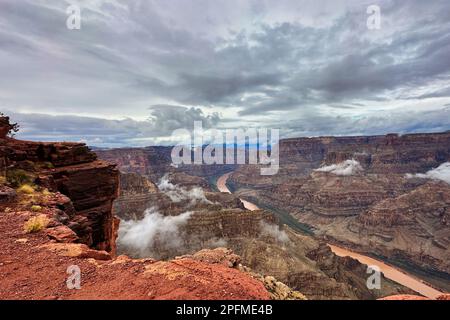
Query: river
{"points": [[390, 272]]}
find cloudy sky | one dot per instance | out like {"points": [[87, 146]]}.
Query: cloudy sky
{"points": [[139, 69]]}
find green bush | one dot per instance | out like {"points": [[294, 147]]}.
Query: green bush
{"points": [[13, 127]]}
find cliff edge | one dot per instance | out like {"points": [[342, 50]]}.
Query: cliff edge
{"points": [[56, 217]]}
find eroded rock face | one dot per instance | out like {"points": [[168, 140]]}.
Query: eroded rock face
{"points": [[416, 224], [135, 184], [377, 210], [154, 162], [92, 188], [377, 154], [223, 256], [72, 169], [331, 205]]}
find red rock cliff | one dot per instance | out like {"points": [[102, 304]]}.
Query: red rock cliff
{"points": [[73, 170]]}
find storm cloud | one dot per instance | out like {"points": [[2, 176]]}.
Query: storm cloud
{"points": [[137, 70]]}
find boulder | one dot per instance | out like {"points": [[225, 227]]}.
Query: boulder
{"points": [[7, 194], [62, 234], [77, 250], [222, 256]]}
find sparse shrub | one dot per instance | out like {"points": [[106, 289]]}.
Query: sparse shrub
{"points": [[18, 177], [13, 127], [80, 151], [45, 165], [36, 208], [36, 224], [26, 188]]}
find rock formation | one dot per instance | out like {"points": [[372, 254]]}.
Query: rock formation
{"points": [[73, 170], [154, 162]]}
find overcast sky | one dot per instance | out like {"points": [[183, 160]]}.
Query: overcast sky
{"points": [[137, 70]]}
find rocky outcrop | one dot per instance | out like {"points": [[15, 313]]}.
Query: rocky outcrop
{"points": [[73, 170], [390, 154], [92, 188], [276, 289], [7, 194], [414, 226], [133, 184]]}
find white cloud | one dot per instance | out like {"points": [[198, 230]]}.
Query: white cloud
{"points": [[440, 173], [346, 168], [178, 194], [153, 234], [273, 231]]}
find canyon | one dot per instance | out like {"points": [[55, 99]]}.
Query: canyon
{"points": [[385, 209], [390, 272], [221, 219], [222, 231]]}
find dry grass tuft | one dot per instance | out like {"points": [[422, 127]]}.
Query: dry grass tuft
{"points": [[26, 188], [36, 224], [36, 208]]}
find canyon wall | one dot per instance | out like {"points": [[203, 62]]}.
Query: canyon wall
{"points": [[73, 170], [380, 206], [154, 162]]}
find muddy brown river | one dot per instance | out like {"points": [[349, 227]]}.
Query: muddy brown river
{"points": [[390, 272]]}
